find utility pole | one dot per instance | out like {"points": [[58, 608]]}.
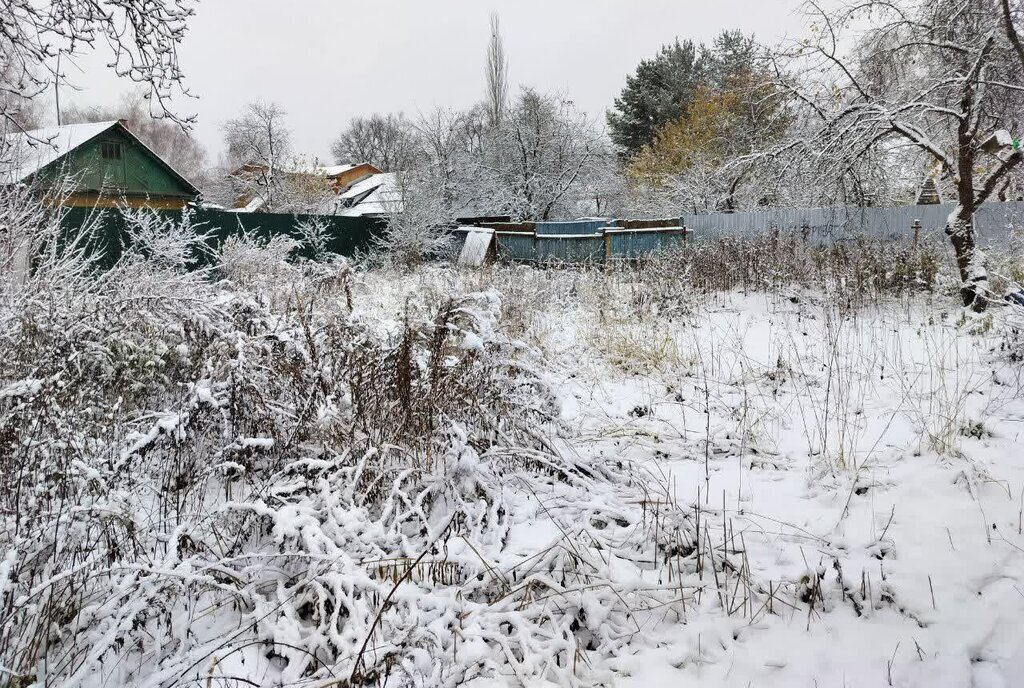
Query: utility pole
{"points": [[56, 88]]}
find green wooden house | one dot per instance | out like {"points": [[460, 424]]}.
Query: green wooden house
{"points": [[101, 164]]}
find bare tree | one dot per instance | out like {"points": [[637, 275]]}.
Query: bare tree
{"points": [[539, 159], [546, 160], [418, 219], [18, 110], [385, 141], [442, 134], [144, 36], [453, 145], [497, 75], [259, 151], [936, 84]]}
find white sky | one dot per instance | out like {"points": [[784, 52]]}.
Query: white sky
{"points": [[326, 61]]}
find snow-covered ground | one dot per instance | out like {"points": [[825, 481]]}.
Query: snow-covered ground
{"points": [[862, 468], [507, 476]]}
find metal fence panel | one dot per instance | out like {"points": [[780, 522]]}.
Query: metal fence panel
{"points": [[570, 248], [995, 222], [517, 246], [346, 236], [633, 244]]}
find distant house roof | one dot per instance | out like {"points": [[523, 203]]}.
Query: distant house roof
{"points": [[378, 194], [335, 170], [301, 166], [34, 150], [362, 188]]}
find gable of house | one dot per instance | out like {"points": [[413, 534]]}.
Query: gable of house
{"points": [[98, 164]]}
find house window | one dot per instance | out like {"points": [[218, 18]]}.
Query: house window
{"points": [[110, 150]]}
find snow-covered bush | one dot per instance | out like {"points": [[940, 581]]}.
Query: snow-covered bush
{"points": [[163, 239], [249, 261], [417, 221]]}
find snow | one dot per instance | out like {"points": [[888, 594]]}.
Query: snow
{"points": [[882, 445], [252, 206], [22, 388], [626, 482], [306, 167], [35, 149], [334, 170], [362, 187]]}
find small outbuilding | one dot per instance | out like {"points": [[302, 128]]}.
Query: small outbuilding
{"points": [[100, 164]]}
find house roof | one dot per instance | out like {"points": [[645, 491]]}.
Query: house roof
{"points": [[31, 151], [335, 170], [378, 194], [361, 188], [303, 167]]}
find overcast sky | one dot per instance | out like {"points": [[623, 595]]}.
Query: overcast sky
{"points": [[326, 61]]}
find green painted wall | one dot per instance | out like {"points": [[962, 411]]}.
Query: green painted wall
{"points": [[138, 171]]}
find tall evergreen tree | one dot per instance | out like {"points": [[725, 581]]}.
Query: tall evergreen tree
{"points": [[732, 57], [659, 92]]}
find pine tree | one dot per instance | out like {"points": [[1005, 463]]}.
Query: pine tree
{"points": [[663, 88], [659, 92], [734, 110]]}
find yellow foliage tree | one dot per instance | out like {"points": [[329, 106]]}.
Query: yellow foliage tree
{"points": [[691, 155], [701, 137]]}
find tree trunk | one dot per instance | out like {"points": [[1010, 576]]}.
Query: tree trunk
{"points": [[960, 227], [973, 279]]}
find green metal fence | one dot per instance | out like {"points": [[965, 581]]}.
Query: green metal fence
{"points": [[590, 226], [570, 248], [516, 246], [345, 236]]}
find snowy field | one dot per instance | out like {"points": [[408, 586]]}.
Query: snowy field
{"points": [[509, 477], [859, 473]]}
